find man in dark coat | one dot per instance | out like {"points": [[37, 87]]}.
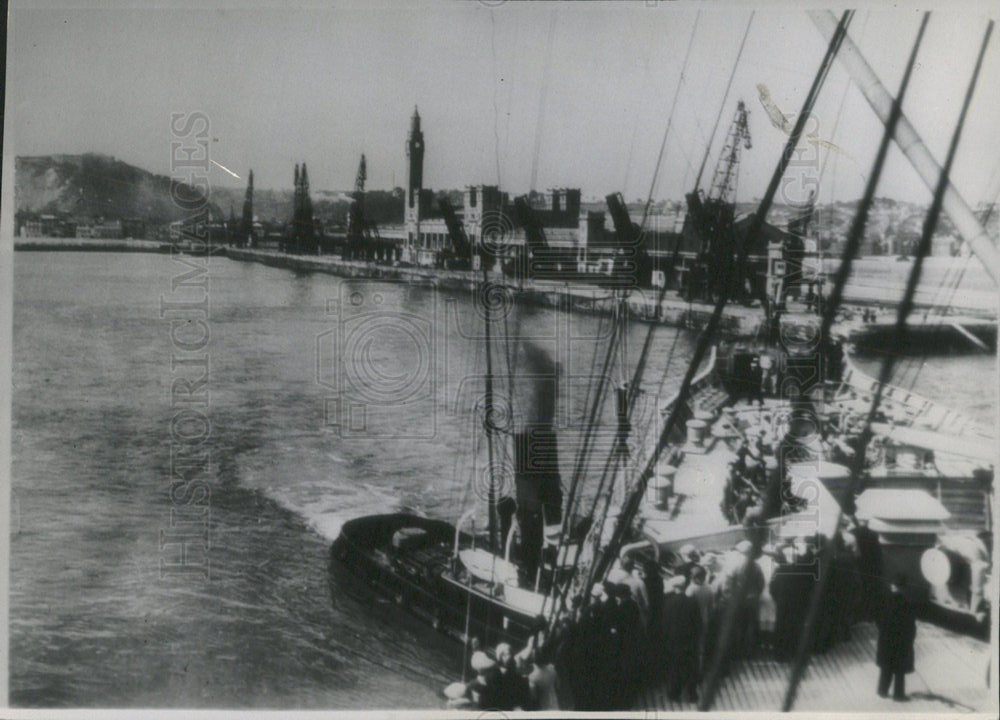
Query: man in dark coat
{"points": [[791, 587], [654, 589], [682, 630], [592, 651], [897, 629], [627, 643], [869, 567]]}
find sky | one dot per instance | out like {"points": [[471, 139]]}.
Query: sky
{"points": [[524, 95]]}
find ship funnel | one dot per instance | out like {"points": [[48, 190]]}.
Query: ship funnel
{"points": [[536, 454]]}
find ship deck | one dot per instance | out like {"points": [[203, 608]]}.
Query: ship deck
{"points": [[694, 511], [950, 676], [951, 668]]}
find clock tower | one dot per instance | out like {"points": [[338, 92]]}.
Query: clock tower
{"points": [[415, 176]]}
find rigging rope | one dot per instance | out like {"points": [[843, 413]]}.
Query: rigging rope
{"points": [[583, 453], [634, 499], [753, 233], [900, 330], [948, 286], [648, 341], [617, 337], [670, 120], [850, 253], [722, 106], [559, 593], [542, 99]]}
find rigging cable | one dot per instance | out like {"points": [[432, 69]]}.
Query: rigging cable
{"points": [[583, 455], [597, 403], [831, 148], [496, 110], [670, 120], [559, 593], [635, 127], [647, 343], [944, 304], [722, 106], [542, 99], [941, 302], [900, 331], [635, 498]]}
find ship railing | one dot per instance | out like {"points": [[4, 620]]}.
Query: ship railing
{"points": [[920, 410]]}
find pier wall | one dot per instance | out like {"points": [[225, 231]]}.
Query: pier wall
{"points": [[87, 245], [578, 298]]}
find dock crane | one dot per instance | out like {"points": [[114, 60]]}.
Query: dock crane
{"points": [[459, 255], [542, 262], [363, 241], [630, 262], [710, 219]]}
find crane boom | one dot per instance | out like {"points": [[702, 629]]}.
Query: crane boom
{"points": [[460, 241], [727, 169]]}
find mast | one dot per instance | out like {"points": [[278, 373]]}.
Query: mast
{"points": [[910, 143], [899, 334], [636, 493], [488, 413]]}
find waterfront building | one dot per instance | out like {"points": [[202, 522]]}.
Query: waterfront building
{"points": [[486, 214]]}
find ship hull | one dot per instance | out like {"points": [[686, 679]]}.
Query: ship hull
{"points": [[366, 564]]}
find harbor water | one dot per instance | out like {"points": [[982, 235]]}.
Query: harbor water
{"points": [[324, 399]]}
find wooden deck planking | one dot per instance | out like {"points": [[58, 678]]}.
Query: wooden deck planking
{"points": [[950, 677]]}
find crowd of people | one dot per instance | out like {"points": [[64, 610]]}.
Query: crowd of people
{"points": [[755, 488], [650, 625]]}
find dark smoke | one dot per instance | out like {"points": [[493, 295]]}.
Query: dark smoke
{"points": [[536, 453]]}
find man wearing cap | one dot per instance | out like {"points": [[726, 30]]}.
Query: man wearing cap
{"points": [[683, 627], [458, 697], [511, 687], [633, 581], [700, 590], [742, 451], [689, 559], [870, 566], [483, 689], [792, 586], [591, 653], [654, 590]]}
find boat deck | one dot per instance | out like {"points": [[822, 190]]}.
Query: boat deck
{"points": [[951, 668], [950, 676], [699, 482]]}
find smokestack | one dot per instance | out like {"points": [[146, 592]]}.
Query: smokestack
{"points": [[536, 454]]}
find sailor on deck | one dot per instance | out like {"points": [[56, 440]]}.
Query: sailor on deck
{"points": [[897, 630], [683, 626]]}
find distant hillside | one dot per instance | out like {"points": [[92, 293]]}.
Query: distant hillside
{"points": [[95, 186], [90, 186]]}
